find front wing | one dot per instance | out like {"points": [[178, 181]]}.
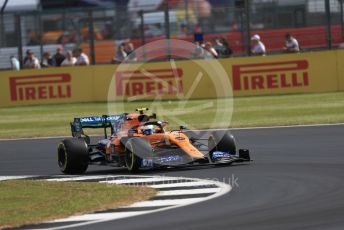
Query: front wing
{"points": [[177, 157]]}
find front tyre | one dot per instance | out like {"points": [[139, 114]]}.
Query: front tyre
{"points": [[136, 149], [222, 141], [73, 156]]}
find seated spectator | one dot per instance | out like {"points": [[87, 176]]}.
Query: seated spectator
{"points": [[291, 44], [226, 51], [58, 57], [258, 46], [81, 57], [210, 52], [69, 60], [31, 62], [218, 46], [199, 51], [27, 55], [120, 54], [129, 49], [47, 60], [15, 65]]}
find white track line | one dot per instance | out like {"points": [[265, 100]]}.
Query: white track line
{"points": [[3, 178], [96, 217], [191, 184], [166, 180], [225, 189], [174, 202], [200, 130], [284, 126], [81, 178], [158, 204], [188, 192]]}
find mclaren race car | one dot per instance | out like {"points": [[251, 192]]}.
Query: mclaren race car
{"points": [[139, 141]]}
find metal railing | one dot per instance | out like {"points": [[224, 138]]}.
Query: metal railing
{"points": [[317, 24]]}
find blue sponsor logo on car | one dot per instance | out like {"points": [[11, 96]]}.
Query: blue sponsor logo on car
{"points": [[100, 119], [90, 119], [114, 117], [218, 154], [147, 163]]}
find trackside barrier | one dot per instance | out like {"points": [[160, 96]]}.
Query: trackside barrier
{"points": [[340, 69], [271, 75]]}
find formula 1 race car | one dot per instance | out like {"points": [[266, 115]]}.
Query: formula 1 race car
{"points": [[139, 141]]}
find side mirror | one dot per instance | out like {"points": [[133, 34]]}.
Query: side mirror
{"points": [[182, 127]]}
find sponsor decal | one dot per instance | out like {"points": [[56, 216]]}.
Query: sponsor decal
{"points": [[147, 163], [40, 87], [218, 154], [273, 75], [149, 82], [101, 119], [91, 119], [115, 117], [170, 159]]}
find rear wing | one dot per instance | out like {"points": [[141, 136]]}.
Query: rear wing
{"points": [[94, 122]]}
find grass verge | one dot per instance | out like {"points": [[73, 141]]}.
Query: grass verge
{"points": [[53, 120], [29, 202]]}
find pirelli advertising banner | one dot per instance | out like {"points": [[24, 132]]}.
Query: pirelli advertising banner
{"points": [[46, 86], [162, 80], [191, 79], [340, 69], [283, 74]]}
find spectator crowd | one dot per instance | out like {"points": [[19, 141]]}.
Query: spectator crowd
{"points": [[125, 53], [218, 48], [69, 58]]}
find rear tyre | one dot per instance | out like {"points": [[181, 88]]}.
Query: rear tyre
{"points": [[73, 156], [136, 149], [222, 141]]}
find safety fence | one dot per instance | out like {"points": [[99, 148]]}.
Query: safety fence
{"points": [[317, 24]]}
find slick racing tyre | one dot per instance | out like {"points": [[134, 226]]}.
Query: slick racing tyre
{"points": [[73, 156], [222, 141], [136, 149]]}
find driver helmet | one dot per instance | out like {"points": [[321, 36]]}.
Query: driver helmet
{"points": [[148, 129]]}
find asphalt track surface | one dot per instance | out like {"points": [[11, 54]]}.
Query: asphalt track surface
{"points": [[295, 182]]}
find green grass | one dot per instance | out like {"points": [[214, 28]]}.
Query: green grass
{"points": [[28, 202], [53, 120], [289, 110]]}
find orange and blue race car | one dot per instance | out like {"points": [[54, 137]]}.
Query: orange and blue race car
{"points": [[139, 141]]}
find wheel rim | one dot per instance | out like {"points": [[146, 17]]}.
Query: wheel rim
{"points": [[62, 156], [129, 159]]}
